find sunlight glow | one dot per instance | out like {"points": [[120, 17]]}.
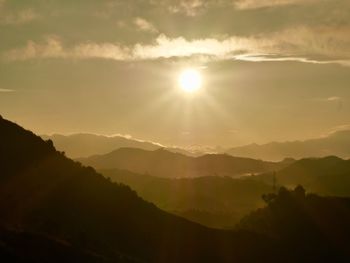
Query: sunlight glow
{"points": [[190, 80]]}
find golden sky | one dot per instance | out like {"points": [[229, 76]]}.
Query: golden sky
{"points": [[271, 69]]}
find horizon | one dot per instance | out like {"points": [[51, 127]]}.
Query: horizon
{"points": [[199, 146]]}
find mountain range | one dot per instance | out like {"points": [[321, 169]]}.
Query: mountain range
{"points": [[163, 163], [85, 144], [204, 189], [337, 143], [80, 145], [56, 210], [46, 198], [221, 202]]}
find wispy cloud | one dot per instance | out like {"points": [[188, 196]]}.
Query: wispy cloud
{"points": [[165, 47], [309, 45], [17, 18], [277, 58], [6, 90], [339, 128], [195, 7], [255, 4], [187, 7], [53, 47], [144, 25], [333, 98], [329, 99]]}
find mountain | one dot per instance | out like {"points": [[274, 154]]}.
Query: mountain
{"points": [[327, 176], [213, 201], [312, 227], [162, 163], [337, 143], [52, 205], [84, 145]]}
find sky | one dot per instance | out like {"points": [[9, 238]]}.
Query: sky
{"points": [[273, 70]]}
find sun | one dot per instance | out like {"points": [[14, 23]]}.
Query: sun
{"points": [[190, 80]]}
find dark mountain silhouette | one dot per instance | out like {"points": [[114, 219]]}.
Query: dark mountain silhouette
{"points": [[44, 194], [17, 246], [326, 176], [162, 163], [337, 143], [314, 228], [214, 201]]}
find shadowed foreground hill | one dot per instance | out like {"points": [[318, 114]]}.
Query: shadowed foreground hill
{"points": [[214, 201], [53, 200], [312, 227], [162, 163]]}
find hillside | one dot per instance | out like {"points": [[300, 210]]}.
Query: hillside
{"points": [[337, 143], [214, 201], [162, 163], [313, 227], [43, 192], [326, 176]]}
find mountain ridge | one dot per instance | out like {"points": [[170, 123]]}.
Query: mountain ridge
{"points": [[163, 163], [326, 176], [336, 143]]}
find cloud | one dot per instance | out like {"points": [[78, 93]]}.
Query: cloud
{"points": [[114, 135], [53, 48], [322, 45], [186, 7], [339, 128], [104, 50], [195, 7], [165, 47], [6, 90], [334, 98], [255, 4], [276, 58], [17, 18], [329, 99], [144, 25]]}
